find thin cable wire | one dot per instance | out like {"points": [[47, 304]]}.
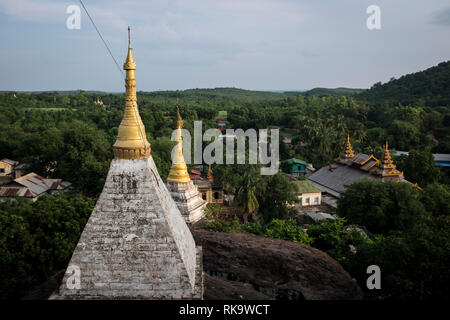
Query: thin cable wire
{"points": [[104, 42]]}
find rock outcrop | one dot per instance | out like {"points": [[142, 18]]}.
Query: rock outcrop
{"points": [[274, 268]]}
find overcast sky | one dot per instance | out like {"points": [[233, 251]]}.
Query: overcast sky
{"points": [[250, 44]]}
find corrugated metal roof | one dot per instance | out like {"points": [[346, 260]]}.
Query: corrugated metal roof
{"points": [[14, 191], [441, 157], [295, 160], [338, 177], [9, 161], [32, 185], [438, 157], [327, 190], [317, 216], [368, 165], [8, 192], [22, 166], [305, 186], [360, 158], [34, 182]]}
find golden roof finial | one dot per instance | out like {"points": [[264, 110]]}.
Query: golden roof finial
{"points": [[131, 140], [129, 37], [387, 166], [348, 153], [387, 160], [129, 62], [387, 154], [210, 176], [178, 121], [178, 171]]}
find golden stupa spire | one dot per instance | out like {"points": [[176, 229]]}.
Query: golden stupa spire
{"points": [[387, 160], [178, 171], [348, 149], [131, 140]]}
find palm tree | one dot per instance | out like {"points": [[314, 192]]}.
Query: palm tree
{"points": [[246, 196]]}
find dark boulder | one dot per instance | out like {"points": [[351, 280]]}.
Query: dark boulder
{"points": [[221, 289], [276, 268]]}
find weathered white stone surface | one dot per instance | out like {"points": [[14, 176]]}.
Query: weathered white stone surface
{"points": [[188, 199], [136, 244]]}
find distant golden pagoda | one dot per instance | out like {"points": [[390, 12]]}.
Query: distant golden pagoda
{"points": [[98, 101], [178, 171], [348, 153], [131, 140]]}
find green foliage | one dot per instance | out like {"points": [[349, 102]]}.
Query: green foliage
{"points": [[275, 193], [404, 135], [277, 228], [338, 92], [223, 225], [381, 206], [419, 167], [330, 236], [214, 222], [253, 227], [37, 239], [286, 167], [161, 151], [246, 195], [286, 230], [414, 264], [443, 146], [436, 199], [429, 86]]}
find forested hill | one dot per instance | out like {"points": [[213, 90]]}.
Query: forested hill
{"points": [[338, 92], [217, 93], [197, 94], [430, 87]]}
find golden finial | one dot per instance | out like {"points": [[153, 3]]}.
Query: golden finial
{"points": [[178, 121], [129, 37], [387, 155], [348, 153], [387, 163], [210, 176], [129, 62], [131, 140], [178, 171]]}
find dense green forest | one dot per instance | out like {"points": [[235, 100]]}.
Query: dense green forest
{"points": [[338, 92], [66, 135], [429, 87]]}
